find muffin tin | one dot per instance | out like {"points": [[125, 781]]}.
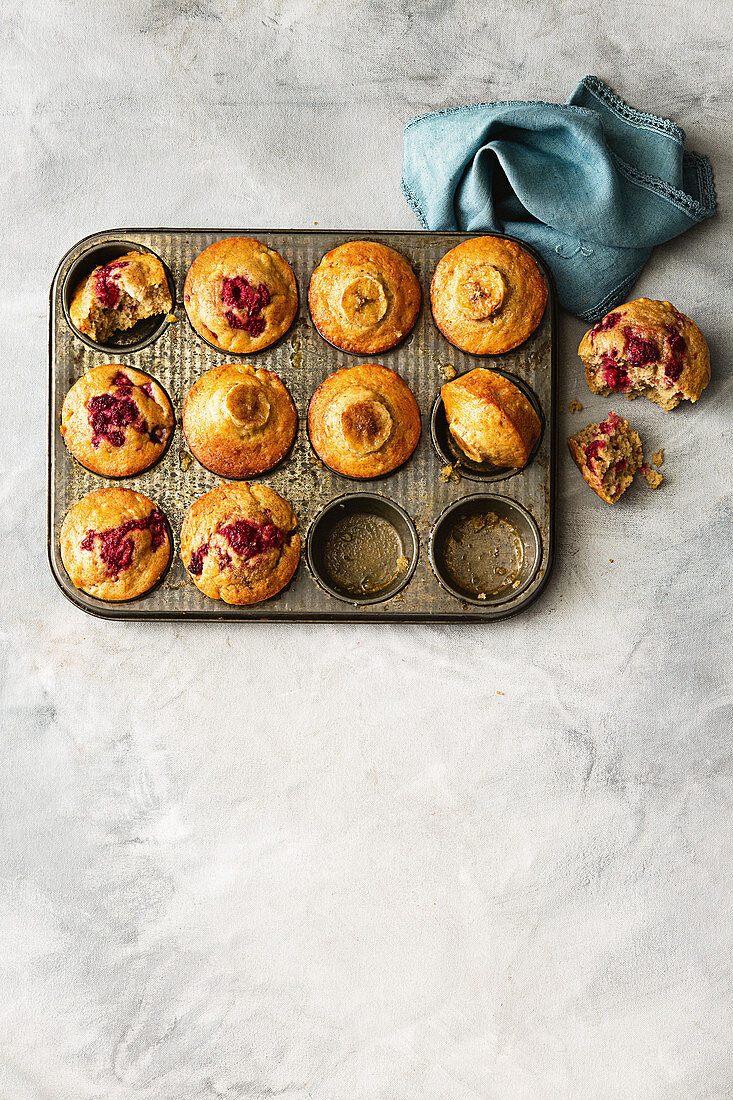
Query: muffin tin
{"points": [[374, 551]]}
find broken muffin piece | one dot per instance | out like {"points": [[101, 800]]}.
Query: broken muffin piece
{"points": [[608, 455], [650, 348], [119, 294]]}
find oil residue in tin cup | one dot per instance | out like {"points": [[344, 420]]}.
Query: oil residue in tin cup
{"points": [[484, 554], [363, 554]]}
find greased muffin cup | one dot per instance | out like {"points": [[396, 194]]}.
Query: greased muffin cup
{"points": [[362, 548], [423, 486], [485, 549]]}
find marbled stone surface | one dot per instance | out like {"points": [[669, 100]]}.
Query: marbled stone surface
{"points": [[362, 862]]}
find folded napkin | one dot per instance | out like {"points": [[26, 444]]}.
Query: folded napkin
{"points": [[592, 184]]}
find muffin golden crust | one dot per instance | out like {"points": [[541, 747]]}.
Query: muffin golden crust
{"points": [[119, 294], [116, 421], [607, 455], [115, 544], [490, 419], [240, 543], [364, 421], [487, 295], [238, 420], [364, 297], [240, 295], [650, 348]]}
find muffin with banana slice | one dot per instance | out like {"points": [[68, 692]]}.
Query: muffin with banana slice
{"points": [[364, 297]]}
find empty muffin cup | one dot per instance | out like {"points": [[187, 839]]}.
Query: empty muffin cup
{"points": [[362, 548], [485, 549], [450, 453], [146, 330]]}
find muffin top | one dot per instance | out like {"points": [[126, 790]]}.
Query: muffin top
{"points": [[650, 348], [487, 295], [117, 295], [238, 420], [364, 297], [490, 418], [240, 295], [115, 544], [364, 421], [240, 543], [116, 421]]}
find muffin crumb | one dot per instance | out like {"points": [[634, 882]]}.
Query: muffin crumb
{"points": [[658, 457], [575, 406], [654, 477], [449, 473]]}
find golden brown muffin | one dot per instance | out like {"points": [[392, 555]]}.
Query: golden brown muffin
{"points": [[487, 295], [116, 421], [650, 348], [239, 421], [240, 543], [364, 297], [119, 294], [490, 418], [607, 455], [364, 421], [240, 295], [115, 544]]}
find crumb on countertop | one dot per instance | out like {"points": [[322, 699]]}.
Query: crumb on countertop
{"points": [[575, 406], [658, 457], [654, 477]]}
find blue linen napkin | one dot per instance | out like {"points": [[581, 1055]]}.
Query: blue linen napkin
{"points": [[592, 184]]}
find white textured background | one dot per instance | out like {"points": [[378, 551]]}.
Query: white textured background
{"points": [[361, 862]]}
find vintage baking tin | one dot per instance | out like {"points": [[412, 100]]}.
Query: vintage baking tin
{"points": [[423, 489]]}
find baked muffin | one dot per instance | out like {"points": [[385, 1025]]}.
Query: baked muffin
{"points": [[364, 297], [487, 295], [650, 348], [115, 544], [490, 418], [607, 455], [239, 421], [240, 543], [119, 294], [240, 295], [116, 421], [364, 421]]}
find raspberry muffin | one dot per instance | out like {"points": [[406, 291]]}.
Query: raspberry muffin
{"points": [[490, 419], [116, 421], [650, 348], [607, 455], [364, 421], [240, 543], [115, 544], [240, 295], [119, 294], [239, 421], [364, 297], [487, 295]]}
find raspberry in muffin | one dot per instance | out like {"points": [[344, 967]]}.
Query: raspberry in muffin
{"points": [[488, 295], [364, 421], [490, 418], [240, 543], [239, 421], [650, 348], [115, 544], [240, 295], [116, 421], [364, 297], [607, 455], [119, 294]]}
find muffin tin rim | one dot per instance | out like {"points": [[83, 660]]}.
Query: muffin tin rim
{"points": [[214, 613]]}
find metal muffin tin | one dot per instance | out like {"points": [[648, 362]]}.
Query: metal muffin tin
{"points": [[176, 357]]}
